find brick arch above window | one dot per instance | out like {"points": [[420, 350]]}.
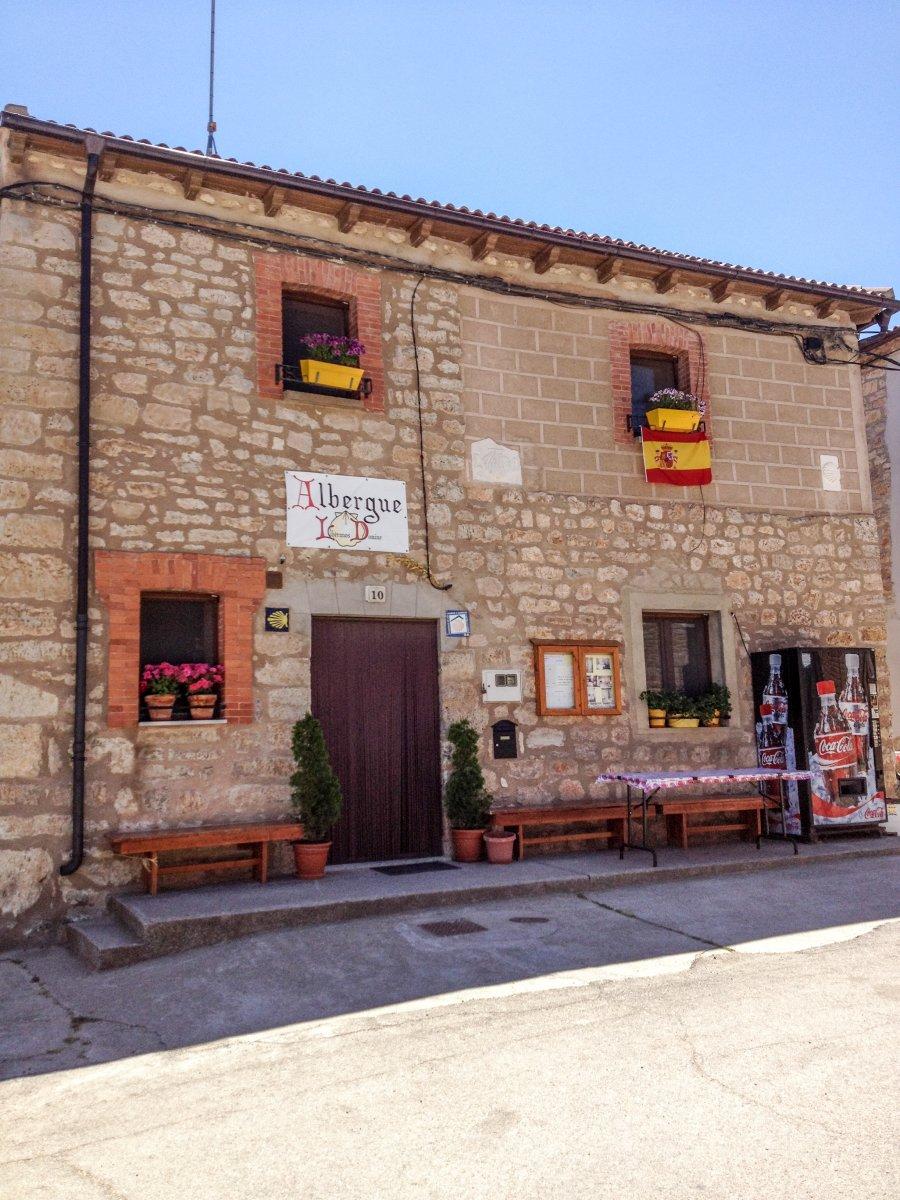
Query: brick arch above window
{"points": [[657, 337], [240, 583], [360, 290]]}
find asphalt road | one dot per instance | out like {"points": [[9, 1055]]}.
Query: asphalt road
{"points": [[713, 1038]]}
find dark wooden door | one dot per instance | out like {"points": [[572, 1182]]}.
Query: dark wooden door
{"points": [[375, 691]]}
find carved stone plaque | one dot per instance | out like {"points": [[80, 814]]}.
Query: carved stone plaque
{"points": [[493, 463]]}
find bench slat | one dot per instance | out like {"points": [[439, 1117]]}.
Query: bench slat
{"points": [[559, 816], [210, 836]]}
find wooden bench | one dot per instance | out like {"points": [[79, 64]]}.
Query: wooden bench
{"points": [[598, 815], [677, 810], [256, 838]]}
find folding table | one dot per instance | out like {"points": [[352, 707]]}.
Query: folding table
{"points": [[647, 783]]}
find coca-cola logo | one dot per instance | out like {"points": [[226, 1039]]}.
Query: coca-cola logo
{"points": [[773, 757], [838, 748]]}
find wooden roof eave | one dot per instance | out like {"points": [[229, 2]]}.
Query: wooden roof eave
{"points": [[545, 247]]}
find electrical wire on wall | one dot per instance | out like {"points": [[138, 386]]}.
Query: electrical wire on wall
{"points": [[440, 587], [741, 634], [250, 235]]}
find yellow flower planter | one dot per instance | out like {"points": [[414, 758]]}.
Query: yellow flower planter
{"points": [[657, 717], [332, 375], [675, 420], [684, 722]]}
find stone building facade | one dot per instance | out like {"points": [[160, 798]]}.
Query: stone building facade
{"points": [[881, 398], [522, 342]]}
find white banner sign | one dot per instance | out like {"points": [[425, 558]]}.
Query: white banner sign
{"points": [[346, 512]]}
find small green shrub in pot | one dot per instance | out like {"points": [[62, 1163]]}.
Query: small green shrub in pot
{"points": [[315, 797], [466, 802]]}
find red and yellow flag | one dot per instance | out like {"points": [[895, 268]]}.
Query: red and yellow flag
{"points": [[679, 458]]}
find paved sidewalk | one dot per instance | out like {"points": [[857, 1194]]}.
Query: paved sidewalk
{"points": [[140, 926], [730, 1036]]}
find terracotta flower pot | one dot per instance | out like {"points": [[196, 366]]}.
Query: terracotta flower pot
{"points": [[202, 705], [310, 858], [467, 844], [500, 846], [160, 707]]}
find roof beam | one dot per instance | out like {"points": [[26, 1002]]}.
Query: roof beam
{"points": [[827, 308], [16, 145], [545, 259], [419, 231], [609, 268], [192, 183], [775, 299], [273, 199], [667, 280], [348, 216], [108, 164], [483, 245], [723, 289]]}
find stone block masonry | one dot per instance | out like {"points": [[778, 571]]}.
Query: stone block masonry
{"points": [[191, 439]]}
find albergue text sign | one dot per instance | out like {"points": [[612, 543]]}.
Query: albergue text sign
{"points": [[346, 512]]}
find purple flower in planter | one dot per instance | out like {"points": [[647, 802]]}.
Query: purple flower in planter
{"points": [[326, 347]]}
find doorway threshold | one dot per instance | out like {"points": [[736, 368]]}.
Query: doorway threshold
{"points": [[416, 868]]}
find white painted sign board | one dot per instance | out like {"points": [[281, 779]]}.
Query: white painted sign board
{"points": [[346, 512]]}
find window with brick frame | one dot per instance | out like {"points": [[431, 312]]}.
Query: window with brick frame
{"points": [[649, 374], [179, 629], [302, 315], [315, 281], [123, 578], [643, 339]]}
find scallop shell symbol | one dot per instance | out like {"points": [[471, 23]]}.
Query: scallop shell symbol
{"points": [[278, 619], [344, 530]]}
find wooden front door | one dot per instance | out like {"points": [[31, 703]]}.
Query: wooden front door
{"points": [[375, 691]]}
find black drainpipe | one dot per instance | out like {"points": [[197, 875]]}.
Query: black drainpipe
{"points": [[94, 148]]}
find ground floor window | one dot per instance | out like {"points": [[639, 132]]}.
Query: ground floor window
{"points": [[182, 631], [676, 652]]}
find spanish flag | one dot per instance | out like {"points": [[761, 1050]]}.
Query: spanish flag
{"points": [[682, 459]]}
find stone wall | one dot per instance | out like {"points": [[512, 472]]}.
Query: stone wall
{"points": [[189, 456]]}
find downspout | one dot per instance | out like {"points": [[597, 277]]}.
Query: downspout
{"points": [[94, 148]]}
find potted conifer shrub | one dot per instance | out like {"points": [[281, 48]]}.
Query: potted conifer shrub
{"points": [[672, 410], [466, 802], [332, 361], [315, 797]]}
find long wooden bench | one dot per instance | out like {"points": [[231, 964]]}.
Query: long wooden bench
{"points": [[679, 830], [257, 838], [597, 815]]}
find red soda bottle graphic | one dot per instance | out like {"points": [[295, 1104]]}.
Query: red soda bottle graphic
{"points": [[835, 745], [855, 708], [771, 749], [774, 693]]}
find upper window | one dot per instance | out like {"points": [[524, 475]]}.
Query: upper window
{"points": [[301, 316], [649, 373], [676, 653], [576, 679]]}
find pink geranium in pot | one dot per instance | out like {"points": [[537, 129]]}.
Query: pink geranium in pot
{"points": [[159, 687], [202, 683]]}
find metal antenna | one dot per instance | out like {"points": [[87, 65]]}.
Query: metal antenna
{"points": [[211, 125]]}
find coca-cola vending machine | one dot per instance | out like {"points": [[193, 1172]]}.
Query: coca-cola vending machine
{"points": [[817, 710]]}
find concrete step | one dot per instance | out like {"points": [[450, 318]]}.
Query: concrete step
{"points": [[102, 943], [138, 927]]}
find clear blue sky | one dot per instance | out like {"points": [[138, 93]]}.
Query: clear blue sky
{"points": [[762, 132]]}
